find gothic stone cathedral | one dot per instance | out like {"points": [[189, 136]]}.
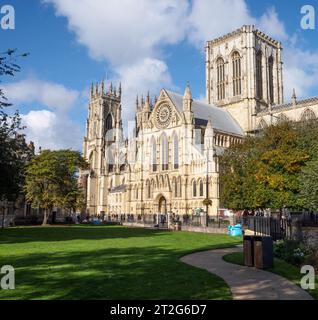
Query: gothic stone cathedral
{"points": [[170, 162]]}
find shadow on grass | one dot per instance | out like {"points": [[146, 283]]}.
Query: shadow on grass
{"points": [[113, 273], [65, 233]]}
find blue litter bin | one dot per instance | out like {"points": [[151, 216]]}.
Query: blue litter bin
{"points": [[96, 222], [235, 231]]}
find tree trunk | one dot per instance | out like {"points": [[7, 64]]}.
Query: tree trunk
{"points": [[3, 216], [46, 216]]}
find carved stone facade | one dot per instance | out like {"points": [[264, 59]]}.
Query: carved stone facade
{"points": [[170, 161]]}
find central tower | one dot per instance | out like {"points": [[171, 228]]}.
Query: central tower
{"points": [[244, 74]]}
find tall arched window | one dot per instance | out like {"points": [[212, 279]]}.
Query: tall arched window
{"points": [[220, 78], [154, 155], [109, 122], [194, 191], [237, 74], [164, 152], [136, 193], [271, 79], [259, 76], [109, 126], [180, 187], [201, 188], [148, 189], [175, 186], [175, 152]]}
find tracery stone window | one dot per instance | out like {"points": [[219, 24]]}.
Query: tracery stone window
{"points": [[194, 190], [164, 152], [201, 188], [175, 152], [271, 79], [154, 155], [237, 74], [259, 76], [220, 67]]}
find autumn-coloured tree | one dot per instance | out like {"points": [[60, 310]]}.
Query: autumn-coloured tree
{"points": [[264, 171]]}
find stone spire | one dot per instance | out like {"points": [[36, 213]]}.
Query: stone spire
{"points": [[102, 88], [137, 102], [96, 89], [148, 102], [294, 97], [187, 99], [110, 90], [92, 90], [187, 92], [119, 90]]}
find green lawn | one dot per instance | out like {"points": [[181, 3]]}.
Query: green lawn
{"points": [[108, 262], [281, 268]]}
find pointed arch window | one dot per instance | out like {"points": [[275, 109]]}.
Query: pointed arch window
{"points": [[109, 122], [175, 152], [148, 189], [201, 188], [154, 155], [175, 185], [237, 74], [180, 187], [259, 76], [194, 190], [164, 152], [220, 68], [271, 79]]}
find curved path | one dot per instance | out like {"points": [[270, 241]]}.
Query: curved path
{"points": [[246, 283]]}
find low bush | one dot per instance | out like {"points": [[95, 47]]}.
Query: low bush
{"points": [[293, 252]]}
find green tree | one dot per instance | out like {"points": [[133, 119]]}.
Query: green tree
{"points": [[52, 180], [308, 185], [263, 171], [13, 150]]}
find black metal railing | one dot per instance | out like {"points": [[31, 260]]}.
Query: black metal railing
{"points": [[277, 228]]}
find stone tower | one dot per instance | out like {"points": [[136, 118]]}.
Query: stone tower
{"points": [[244, 74], [103, 132]]}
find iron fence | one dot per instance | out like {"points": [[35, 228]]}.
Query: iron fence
{"points": [[277, 228]]}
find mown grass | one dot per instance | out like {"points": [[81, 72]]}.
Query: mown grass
{"points": [[281, 267], [108, 262]]}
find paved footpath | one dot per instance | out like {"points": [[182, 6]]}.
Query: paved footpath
{"points": [[246, 283]]}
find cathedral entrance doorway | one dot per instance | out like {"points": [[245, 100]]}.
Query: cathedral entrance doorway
{"points": [[163, 216]]}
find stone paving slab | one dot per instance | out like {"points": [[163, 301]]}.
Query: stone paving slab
{"points": [[246, 283]]}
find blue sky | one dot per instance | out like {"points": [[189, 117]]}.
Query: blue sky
{"points": [[145, 44]]}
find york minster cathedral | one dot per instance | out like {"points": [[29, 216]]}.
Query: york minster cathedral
{"points": [[169, 162]]}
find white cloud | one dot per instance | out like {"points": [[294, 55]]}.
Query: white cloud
{"points": [[51, 131], [300, 72], [51, 95], [152, 74], [124, 31], [270, 23], [131, 35], [210, 19], [52, 128]]}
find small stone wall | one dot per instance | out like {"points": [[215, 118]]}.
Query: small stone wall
{"points": [[205, 229], [311, 235]]}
